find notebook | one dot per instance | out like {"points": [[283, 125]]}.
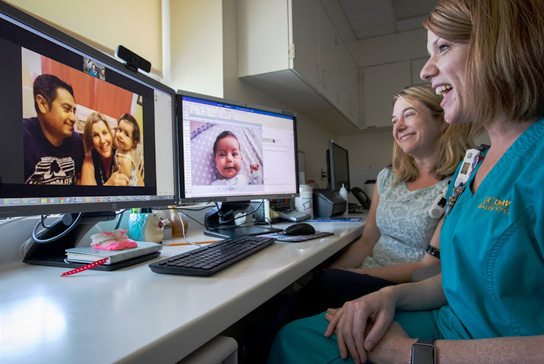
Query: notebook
{"points": [[87, 254]]}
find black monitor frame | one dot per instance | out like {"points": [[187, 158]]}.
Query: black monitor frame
{"points": [[335, 156], [179, 110], [114, 65], [220, 221]]}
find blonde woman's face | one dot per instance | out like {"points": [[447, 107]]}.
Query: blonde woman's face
{"points": [[446, 71], [102, 139], [415, 129]]}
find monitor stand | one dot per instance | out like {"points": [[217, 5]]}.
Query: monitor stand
{"points": [[53, 253], [221, 222]]}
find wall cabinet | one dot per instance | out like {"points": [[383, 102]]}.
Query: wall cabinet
{"points": [[291, 50], [380, 83]]}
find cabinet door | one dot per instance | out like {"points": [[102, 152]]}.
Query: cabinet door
{"points": [[348, 91], [305, 17], [380, 84], [329, 45]]}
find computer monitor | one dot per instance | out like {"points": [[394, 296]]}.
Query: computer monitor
{"points": [[80, 133], [337, 167], [233, 153]]}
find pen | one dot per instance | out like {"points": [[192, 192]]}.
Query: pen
{"points": [[85, 267], [198, 242]]}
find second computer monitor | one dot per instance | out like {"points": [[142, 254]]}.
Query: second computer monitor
{"points": [[235, 152], [338, 167]]}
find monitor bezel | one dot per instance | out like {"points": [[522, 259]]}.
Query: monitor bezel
{"points": [[333, 183], [182, 93], [107, 60]]}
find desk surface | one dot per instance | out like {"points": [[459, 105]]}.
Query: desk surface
{"points": [[134, 315]]}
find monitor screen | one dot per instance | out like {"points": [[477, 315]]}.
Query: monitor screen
{"points": [[338, 166], [79, 131], [236, 152]]}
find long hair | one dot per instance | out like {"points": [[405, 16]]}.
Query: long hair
{"points": [[505, 63], [94, 118], [449, 148]]}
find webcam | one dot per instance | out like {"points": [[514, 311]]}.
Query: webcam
{"points": [[133, 61]]}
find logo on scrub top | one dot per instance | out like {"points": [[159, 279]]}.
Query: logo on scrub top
{"points": [[494, 204]]}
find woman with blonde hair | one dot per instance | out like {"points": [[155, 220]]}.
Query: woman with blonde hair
{"points": [[399, 229], [100, 167], [486, 60], [400, 235]]}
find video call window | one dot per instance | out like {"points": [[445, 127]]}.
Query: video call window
{"points": [[230, 150], [74, 126], [108, 138]]}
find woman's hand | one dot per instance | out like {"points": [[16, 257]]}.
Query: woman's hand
{"points": [[117, 179], [394, 347], [360, 324]]}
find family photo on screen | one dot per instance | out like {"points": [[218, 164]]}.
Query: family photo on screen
{"points": [[78, 129]]}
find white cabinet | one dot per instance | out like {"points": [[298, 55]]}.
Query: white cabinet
{"points": [[380, 84], [305, 40], [291, 50]]}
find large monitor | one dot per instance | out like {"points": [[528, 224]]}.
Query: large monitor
{"points": [[338, 167], [80, 132], [234, 152]]}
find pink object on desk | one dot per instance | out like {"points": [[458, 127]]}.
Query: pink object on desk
{"points": [[115, 240], [85, 267]]}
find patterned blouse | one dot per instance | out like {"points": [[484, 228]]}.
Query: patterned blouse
{"points": [[404, 222]]}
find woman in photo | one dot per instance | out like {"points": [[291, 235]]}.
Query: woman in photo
{"points": [[99, 167]]}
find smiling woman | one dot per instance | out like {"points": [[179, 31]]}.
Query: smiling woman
{"points": [[486, 306], [99, 167], [399, 228]]}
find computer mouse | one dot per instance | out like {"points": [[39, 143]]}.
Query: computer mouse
{"points": [[299, 229]]}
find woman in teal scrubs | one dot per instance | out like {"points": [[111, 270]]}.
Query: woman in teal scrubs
{"points": [[486, 60]]}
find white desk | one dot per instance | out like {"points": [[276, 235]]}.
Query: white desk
{"points": [[133, 315]]}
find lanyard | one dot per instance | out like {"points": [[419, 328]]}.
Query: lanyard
{"points": [[472, 158]]}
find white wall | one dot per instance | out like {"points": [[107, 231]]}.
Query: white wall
{"points": [[196, 30], [105, 24]]}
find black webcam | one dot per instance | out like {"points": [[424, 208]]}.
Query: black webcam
{"points": [[133, 61]]}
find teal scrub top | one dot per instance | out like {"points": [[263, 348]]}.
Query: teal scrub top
{"points": [[492, 248]]}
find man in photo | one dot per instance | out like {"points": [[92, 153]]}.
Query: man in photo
{"points": [[53, 152]]}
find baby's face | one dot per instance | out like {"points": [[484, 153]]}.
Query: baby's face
{"points": [[123, 135], [228, 159]]}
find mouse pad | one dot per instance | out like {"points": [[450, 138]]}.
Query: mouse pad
{"points": [[298, 238]]}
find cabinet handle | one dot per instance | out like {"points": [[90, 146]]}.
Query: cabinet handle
{"points": [[324, 78]]}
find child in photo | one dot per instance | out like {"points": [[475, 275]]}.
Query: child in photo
{"points": [[228, 162], [127, 137]]}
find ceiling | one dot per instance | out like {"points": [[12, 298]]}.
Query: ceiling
{"points": [[371, 18]]}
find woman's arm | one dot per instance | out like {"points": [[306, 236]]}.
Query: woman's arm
{"points": [[402, 273], [351, 322], [117, 179], [395, 347], [87, 171], [354, 256]]}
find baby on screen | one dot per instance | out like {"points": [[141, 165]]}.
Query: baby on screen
{"points": [[228, 162]]}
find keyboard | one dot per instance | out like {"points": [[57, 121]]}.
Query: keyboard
{"points": [[293, 215], [212, 258]]}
